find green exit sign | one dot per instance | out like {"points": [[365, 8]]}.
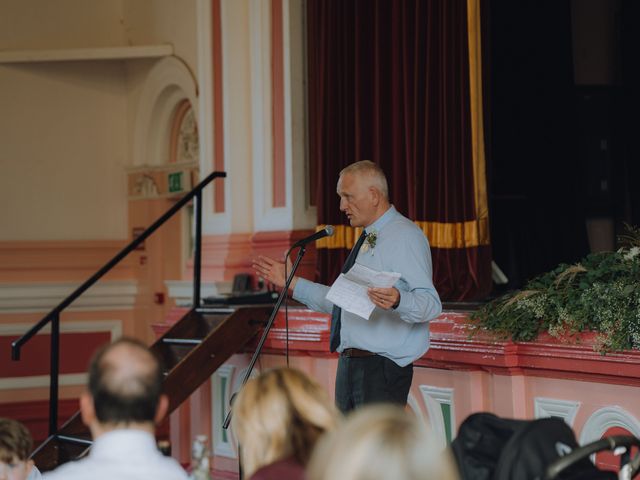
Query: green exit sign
{"points": [[175, 182]]}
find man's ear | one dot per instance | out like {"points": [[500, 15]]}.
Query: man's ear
{"points": [[29, 464], [161, 410], [375, 196], [87, 409]]}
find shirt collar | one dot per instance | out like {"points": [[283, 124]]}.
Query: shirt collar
{"points": [[382, 221], [126, 442]]}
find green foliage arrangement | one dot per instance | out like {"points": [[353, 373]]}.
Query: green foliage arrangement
{"points": [[599, 294]]}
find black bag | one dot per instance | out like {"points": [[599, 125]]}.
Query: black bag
{"points": [[479, 443], [493, 448]]}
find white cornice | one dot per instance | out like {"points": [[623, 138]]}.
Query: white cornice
{"points": [[42, 297]]}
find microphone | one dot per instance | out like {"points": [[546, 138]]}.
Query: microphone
{"points": [[327, 231]]}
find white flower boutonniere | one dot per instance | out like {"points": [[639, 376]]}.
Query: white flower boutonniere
{"points": [[370, 241]]}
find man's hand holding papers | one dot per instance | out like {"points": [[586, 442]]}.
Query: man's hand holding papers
{"points": [[350, 290]]}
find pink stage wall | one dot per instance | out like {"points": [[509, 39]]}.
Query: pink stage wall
{"points": [[459, 375]]}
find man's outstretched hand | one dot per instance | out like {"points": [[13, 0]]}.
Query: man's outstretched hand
{"points": [[273, 271]]}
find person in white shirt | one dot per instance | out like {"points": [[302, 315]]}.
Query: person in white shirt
{"points": [[121, 408]]}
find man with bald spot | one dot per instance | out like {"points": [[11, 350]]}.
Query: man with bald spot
{"points": [[376, 355], [121, 407]]}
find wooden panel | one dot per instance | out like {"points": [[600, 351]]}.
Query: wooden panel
{"points": [[226, 338]]}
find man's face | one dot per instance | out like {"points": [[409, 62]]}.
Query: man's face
{"points": [[16, 469], [357, 200]]}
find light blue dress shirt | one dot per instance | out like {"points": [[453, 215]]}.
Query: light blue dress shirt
{"points": [[401, 335], [123, 454]]}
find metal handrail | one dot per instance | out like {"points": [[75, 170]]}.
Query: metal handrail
{"points": [[54, 315]]}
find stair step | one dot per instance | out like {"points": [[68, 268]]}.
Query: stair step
{"points": [[172, 354], [182, 341], [188, 334], [57, 450], [199, 324], [76, 440], [223, 310]]}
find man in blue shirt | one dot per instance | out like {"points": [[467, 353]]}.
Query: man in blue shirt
{"points": [[376, 355]]}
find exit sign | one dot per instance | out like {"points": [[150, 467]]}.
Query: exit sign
{"points": [[176, 182]]}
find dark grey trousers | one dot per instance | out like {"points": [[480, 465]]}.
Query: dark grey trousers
{"points": [[375, 379]]}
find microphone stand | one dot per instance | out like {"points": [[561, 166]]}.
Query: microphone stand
{"points": [[267, 328]]}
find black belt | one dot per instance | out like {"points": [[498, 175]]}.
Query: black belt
{"points": [[356, 352]]}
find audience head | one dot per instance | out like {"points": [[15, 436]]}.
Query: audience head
{"points": [[279, 415], [377, 443], [125, 385], [363, 191], [15, 448]]}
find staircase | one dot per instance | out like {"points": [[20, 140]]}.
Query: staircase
{"points": [[190, 352]]}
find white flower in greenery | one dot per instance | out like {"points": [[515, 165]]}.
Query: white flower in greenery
{"points": [[632, 253]]}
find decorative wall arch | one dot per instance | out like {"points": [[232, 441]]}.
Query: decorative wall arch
{"points": [[604, 419], [168, 83]]}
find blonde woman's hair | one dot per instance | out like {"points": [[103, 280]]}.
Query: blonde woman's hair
{"points": [[280, 414], [377, 443], [371, 170]]}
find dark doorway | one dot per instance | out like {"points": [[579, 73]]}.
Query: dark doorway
{"points": [[559, 131]]}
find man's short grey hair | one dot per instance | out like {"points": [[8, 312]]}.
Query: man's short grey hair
{"points": [[372, 171]]}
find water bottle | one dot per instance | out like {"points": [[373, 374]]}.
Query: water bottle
{"points": [[200, 459]]}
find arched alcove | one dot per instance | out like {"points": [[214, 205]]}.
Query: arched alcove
{"points": [[168, 84], [605, 418]]}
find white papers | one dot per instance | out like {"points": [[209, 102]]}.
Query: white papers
{"points": [[349, 291]]}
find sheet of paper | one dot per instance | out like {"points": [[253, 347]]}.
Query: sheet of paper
{"points": [[349, 291], [370, 277]]}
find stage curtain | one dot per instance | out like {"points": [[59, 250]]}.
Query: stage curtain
{"points": [[399, 83]]}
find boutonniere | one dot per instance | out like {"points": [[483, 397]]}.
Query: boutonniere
{"points": [[370, 241]]}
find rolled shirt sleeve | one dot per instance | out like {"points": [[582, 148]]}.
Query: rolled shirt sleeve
{"points": [[419, 300], [313, 295]]}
